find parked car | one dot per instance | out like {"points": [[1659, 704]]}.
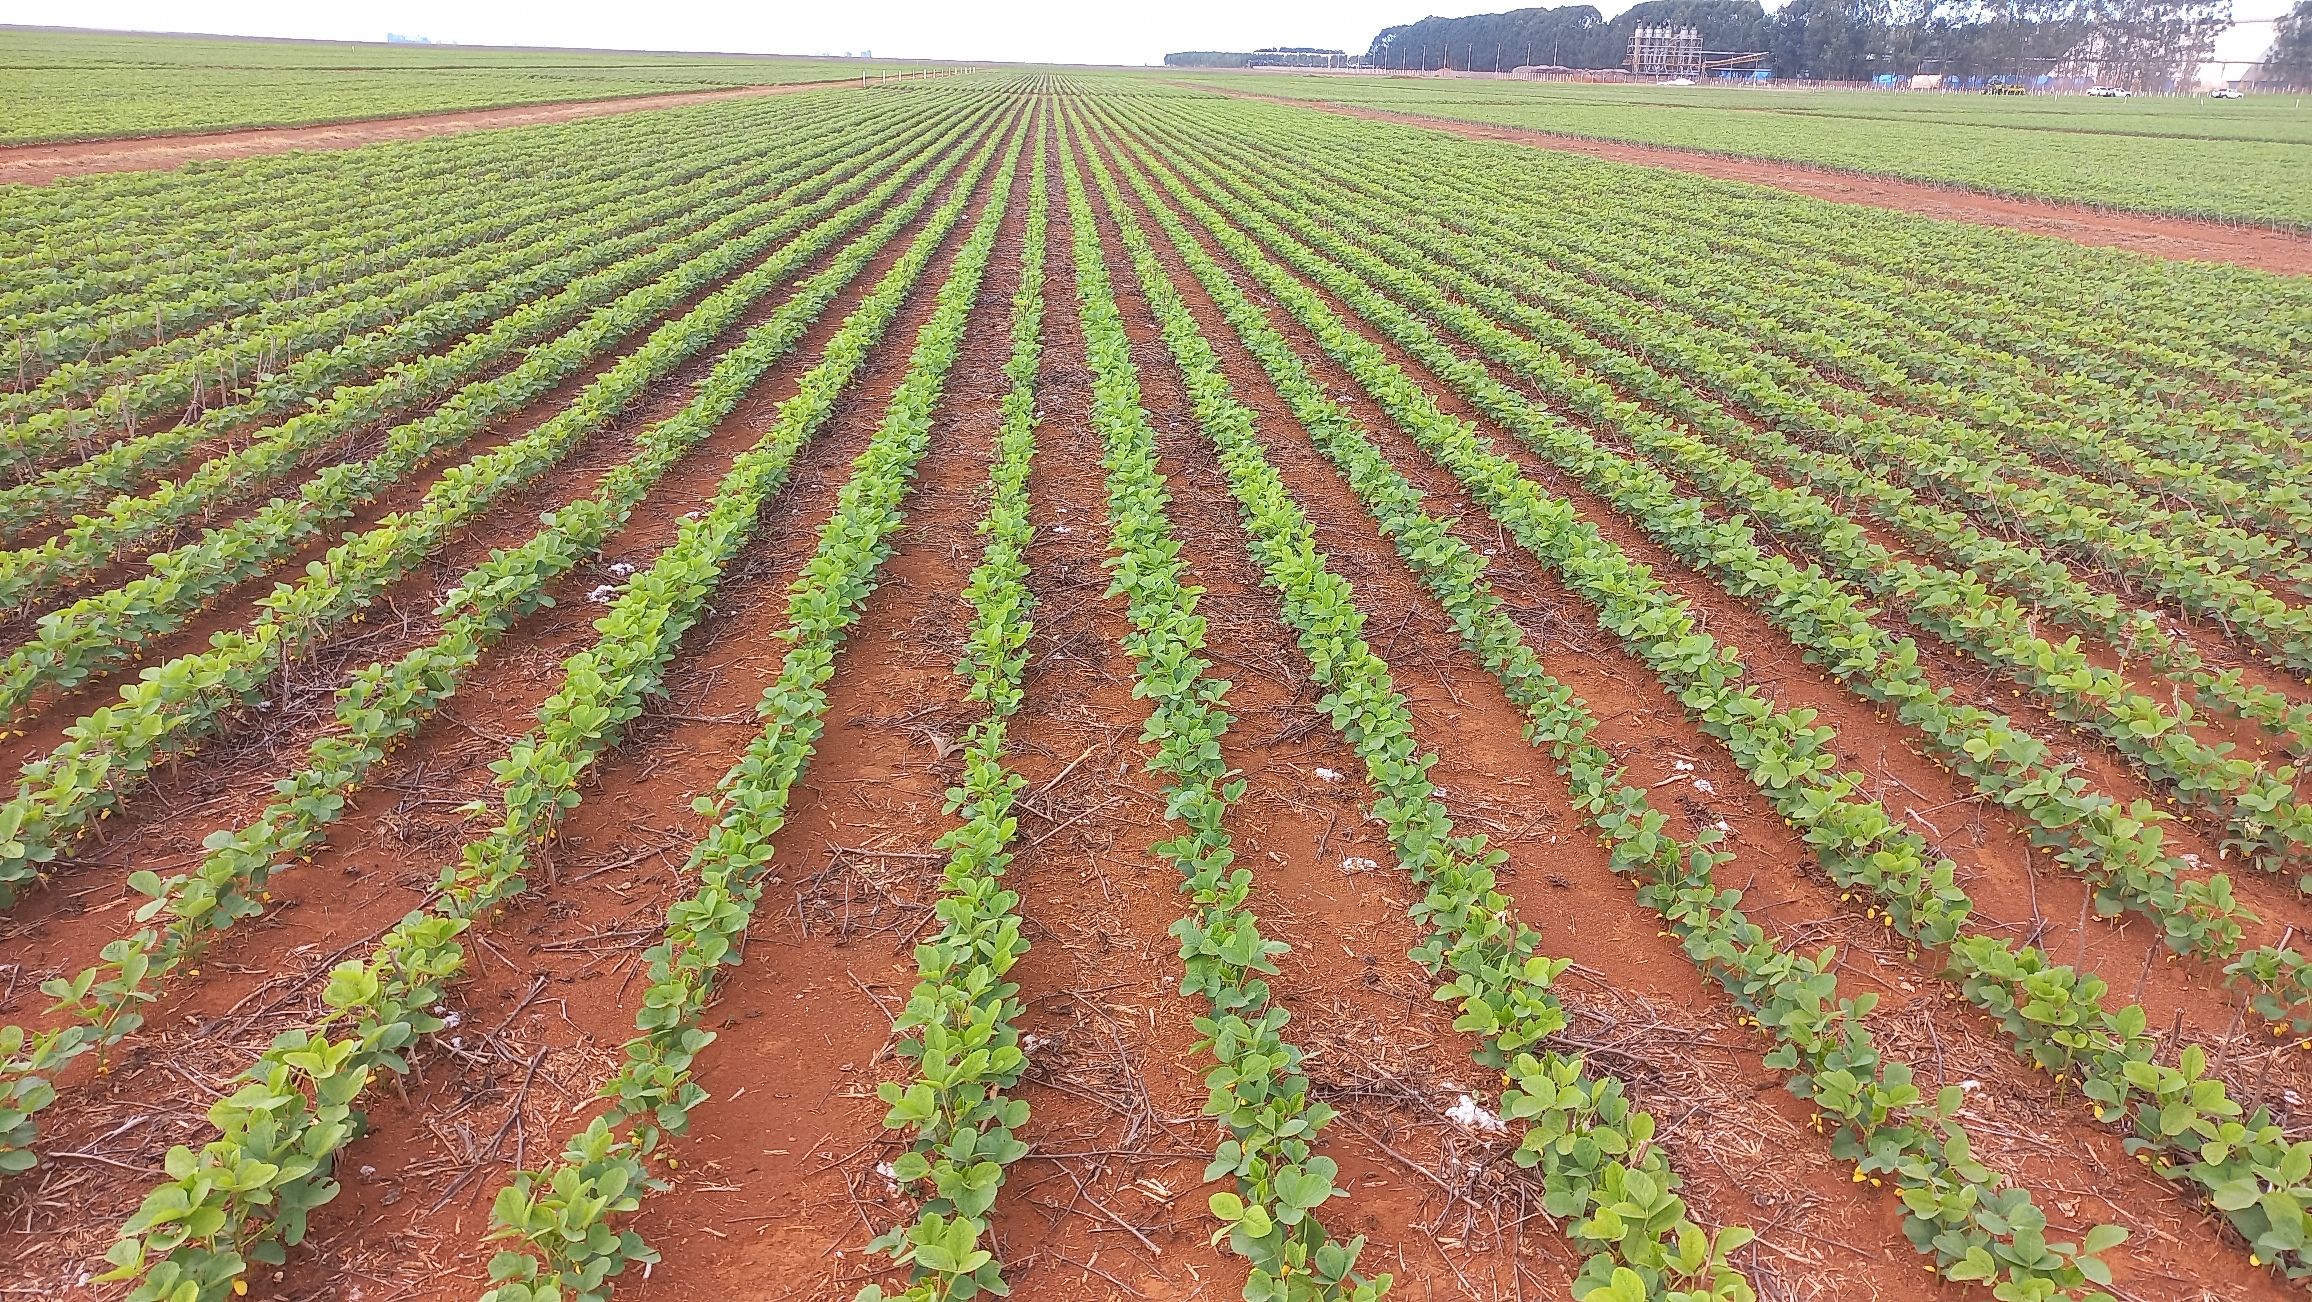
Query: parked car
{"points": [[2224, 92], [2109, 92], [2005, 88]]}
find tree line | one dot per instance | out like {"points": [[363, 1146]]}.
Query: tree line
{"points": [[2143, 44]]}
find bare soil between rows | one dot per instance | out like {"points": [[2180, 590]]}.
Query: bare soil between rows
{"points": [[42, 164], [2179, 238], [783, 1175]]}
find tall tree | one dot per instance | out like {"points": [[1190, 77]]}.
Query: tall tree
{"points": [[2151, 44], [2289, 61]]}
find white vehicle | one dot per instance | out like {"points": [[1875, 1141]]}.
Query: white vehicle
{"points": [[1676, 81], [2224, 92], [2109, 92]]}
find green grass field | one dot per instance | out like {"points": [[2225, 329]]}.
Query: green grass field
{"points": [[2247, 159], [86, 86]]}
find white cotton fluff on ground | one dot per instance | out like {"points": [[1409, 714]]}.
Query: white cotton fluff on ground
{"points": [[1471, 1116]]}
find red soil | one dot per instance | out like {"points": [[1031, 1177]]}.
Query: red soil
{"points": [[778, 1178], [2161, 237], [41, 164]]}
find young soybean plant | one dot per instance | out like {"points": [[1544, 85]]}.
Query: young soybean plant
{"points": [[957, 1026], [2243, 1165], [559, 1218], [1978, 1227], [104, 1003], [246, 1195], [1579, 1129], [1259, 1092]]}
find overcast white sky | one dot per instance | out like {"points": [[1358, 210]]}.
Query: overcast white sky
{"points": [[1028, 31]]}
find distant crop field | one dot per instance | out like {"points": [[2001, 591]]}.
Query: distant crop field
{"points": [[57, 86], [2247, 159], [1056, 686]]}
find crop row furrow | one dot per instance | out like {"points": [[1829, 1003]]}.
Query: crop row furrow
{"points": [[1259, 1091], [91, 543], [2043, 1008], [326, 390], [556, 1220], [173, 705], [1594, 1150], [246, 1195], [382, 706]]}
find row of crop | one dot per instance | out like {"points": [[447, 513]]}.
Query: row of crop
{"points": [[2054, 592], [106, 243], [557, 1219], [99, 630], [2044, 1008], [512, 310], [92, 542], [174, 704], [958, 1026], [2195, 563], [2259, 806], [2177, 403], [121, 242], [208, 369], [2047, 284], [245, 1193], [1259, 1092], [161, 223], [176, 305], [1597, 1160], [2117, 846], [2089, 439], [1977, 1227], [382, 706], [1931, 337], [2223, 460], [1960, 1212], [2111, 351], [59, 363], [180, 372]]}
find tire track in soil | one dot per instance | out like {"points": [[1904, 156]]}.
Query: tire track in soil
{"points": [[2088, 1178], [51, 712], [160, 831], [410, 811], [1732, 1130]]}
